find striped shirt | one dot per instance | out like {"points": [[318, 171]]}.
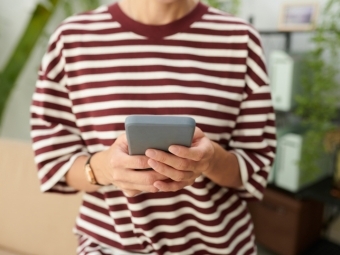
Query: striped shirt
{"points": [[102, 66]]}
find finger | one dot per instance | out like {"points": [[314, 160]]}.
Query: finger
{"points": [[126, 160], [196, 152], [192, 153], [134, 162], [136, 187], [174, 174], [131, 193], [198, 134], [122, 142], [137, 177], [169, 159], [170, 186], [122, 137]]}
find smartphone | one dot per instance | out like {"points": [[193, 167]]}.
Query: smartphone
{"points": [[158, 132]]}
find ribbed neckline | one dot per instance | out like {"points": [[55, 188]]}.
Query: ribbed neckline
{"points": [[157, 31]]}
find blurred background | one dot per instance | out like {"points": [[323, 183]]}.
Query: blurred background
{"points": [[301, 40]]}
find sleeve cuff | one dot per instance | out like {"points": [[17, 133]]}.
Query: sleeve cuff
{"points": [[57, 182], [249, 189]]}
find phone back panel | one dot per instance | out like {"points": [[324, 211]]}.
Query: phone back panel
{"points": [[158, 132]]}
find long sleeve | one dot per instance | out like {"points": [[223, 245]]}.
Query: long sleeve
{"points": [[253, 139], [55, 136]]}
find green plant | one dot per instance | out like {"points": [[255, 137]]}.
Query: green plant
{"points": [[317, 104], [34, 30], [230, 6], [18, 59], [71, 7]]}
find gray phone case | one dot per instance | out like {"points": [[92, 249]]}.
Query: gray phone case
{"points": [[158, 132]]}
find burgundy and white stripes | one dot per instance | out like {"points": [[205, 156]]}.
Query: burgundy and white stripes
{"points": [[100, 67]]}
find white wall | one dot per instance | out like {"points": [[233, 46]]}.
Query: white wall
{"points": [[14, 15], [266, 14]]}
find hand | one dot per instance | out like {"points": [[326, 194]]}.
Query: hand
{"points": [[184, 165], [115, 166]]}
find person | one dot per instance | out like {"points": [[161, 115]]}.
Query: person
{"points": [[156, 57]]}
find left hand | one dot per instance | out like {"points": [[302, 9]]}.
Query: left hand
{"points": [[184, 165]]}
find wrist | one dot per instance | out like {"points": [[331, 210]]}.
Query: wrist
{"points": [[225, 170], [93, 170], [213, 160]]}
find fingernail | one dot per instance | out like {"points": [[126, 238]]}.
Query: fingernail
{"points": [[152, 163], [150, 153], [157, 185], [172, 149]]}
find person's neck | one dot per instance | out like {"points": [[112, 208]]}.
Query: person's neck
{"points": [[156, 12]]}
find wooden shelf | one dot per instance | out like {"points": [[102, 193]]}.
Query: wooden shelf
{"points": [[320, 191], [286, 34], [323, 247]]}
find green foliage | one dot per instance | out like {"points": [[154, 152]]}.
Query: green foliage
{"points": [[32, 33], [317, 105], [230, 6], [71, 7], [90, 4], [22, 51]]}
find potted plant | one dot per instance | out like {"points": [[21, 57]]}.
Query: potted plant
{"points": [[317, 104], [230, 6]]}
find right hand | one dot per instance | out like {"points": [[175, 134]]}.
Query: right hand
{"points": [[115, 166]]}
